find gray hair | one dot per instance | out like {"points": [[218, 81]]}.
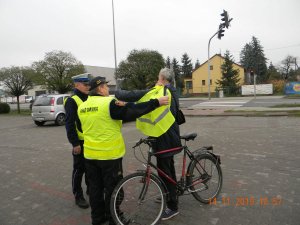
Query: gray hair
{"points": [[167, 74]]}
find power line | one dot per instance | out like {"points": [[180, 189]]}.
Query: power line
{"points": [[296, 45]]}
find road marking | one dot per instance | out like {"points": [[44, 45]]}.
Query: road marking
{"points": [[237, 103]]}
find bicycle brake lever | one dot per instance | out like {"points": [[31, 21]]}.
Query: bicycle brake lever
{"points": [[138, 143]]}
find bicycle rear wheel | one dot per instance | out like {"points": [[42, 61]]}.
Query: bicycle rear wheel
{"points": [[205, 181], [133, 200]]}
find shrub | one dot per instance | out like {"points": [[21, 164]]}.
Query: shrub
{"points": [[278, 86], [4, 108]]}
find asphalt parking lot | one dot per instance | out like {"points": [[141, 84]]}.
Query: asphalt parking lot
{"points": [[260, 162]]}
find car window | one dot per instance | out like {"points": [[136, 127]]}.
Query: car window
{"points": [[42, 101], [59, 101]]}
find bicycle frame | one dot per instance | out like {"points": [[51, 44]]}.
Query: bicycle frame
{"points": [[181, 185]]}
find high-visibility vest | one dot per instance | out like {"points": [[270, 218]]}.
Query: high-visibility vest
{"points": [[159, 120], [103, 139], [78, 103]]}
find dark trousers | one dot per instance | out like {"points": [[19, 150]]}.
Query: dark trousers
{"points": [[77, 174], [167, 165], [103, 176]]}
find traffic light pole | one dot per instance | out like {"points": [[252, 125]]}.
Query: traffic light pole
{"points": [[208, 62]]}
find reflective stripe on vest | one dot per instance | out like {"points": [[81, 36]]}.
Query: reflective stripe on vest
{"points": [[78, 103], [103, 139], [159, 120]]}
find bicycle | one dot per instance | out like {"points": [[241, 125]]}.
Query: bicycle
{"points": [[134, 200]]}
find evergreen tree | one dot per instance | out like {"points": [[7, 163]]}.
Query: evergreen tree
{"points": [[187, 66], [168, 62], [197, 64], [230, 77], [176, 69], [272, 73], [252, 57]]}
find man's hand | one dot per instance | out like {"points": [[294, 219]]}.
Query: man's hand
{"points": [[120, 103], [77, 150], [164, 100]]}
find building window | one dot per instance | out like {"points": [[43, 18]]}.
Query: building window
{"points": [[211, 67], [210, 82], [189, 84], [203, 82]]}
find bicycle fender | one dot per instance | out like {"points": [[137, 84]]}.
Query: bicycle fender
{"points": [[200, 151], [217, 157], [204, 150]]}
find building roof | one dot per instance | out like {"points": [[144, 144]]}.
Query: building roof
{"points": [[219, 55], [107, 72]]}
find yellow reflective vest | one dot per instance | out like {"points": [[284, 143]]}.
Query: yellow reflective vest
{"points": [[78, 103], [159, 120], [103, 139]]}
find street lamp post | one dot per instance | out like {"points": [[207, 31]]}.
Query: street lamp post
{"points": [[208, 62], [226, 23], [115, 51]]}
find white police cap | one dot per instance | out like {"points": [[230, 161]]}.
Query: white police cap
{"points": [[82, 78]]}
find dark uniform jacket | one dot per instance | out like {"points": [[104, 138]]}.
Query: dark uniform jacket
{"points": [[170, 139], [72, 117]]}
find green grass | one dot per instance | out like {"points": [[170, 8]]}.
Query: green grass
{"points": [[292, 96], [285, 105], [23, 112]]}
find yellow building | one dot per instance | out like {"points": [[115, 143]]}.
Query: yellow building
{"points": [[198, 84]]}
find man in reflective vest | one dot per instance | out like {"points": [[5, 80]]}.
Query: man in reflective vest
{"points": [[169, 139], [161, 125], [75, 136], [101, 117]]}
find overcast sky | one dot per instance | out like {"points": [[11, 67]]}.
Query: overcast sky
{"points": [[30, 28]]}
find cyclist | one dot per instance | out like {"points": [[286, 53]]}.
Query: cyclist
{"points": [[169, 139]]}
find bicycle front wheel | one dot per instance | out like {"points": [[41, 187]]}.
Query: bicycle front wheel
{"points": [[135, 200], [205, 180]]}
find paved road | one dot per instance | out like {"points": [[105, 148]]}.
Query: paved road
{"points": [[230, 102], [260, 162]]}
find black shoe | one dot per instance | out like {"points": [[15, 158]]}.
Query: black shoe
{"points": [[82, 203], [100, 222]]}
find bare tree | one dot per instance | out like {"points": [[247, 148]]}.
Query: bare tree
{"points": [[289, 66], [17, 81], [57, 68]]}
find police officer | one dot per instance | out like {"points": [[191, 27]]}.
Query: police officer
{"points": [[75, 136], [101, 117]]}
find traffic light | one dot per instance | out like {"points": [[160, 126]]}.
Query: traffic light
{"points": [[251, 72], [225, 18], [221, 31]]}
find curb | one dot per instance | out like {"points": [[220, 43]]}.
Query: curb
{"points": [[220, 113]]}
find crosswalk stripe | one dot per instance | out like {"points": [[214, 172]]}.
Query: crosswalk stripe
{"points": [[237, 103]]}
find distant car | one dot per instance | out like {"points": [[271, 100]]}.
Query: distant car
{"points": [[49, 108]]}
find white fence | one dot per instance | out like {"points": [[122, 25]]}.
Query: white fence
{"points": [[260, 89]]}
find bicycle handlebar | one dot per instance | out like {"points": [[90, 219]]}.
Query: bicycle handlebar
{"points": [[147, 141]]}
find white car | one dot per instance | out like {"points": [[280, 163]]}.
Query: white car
{"points": [[49, 108]]}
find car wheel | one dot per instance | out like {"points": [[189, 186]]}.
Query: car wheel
{"points": [[60, 119], [39, 123]]}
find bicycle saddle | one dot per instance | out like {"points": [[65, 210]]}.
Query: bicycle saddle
{"points": [[189, 136]]}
